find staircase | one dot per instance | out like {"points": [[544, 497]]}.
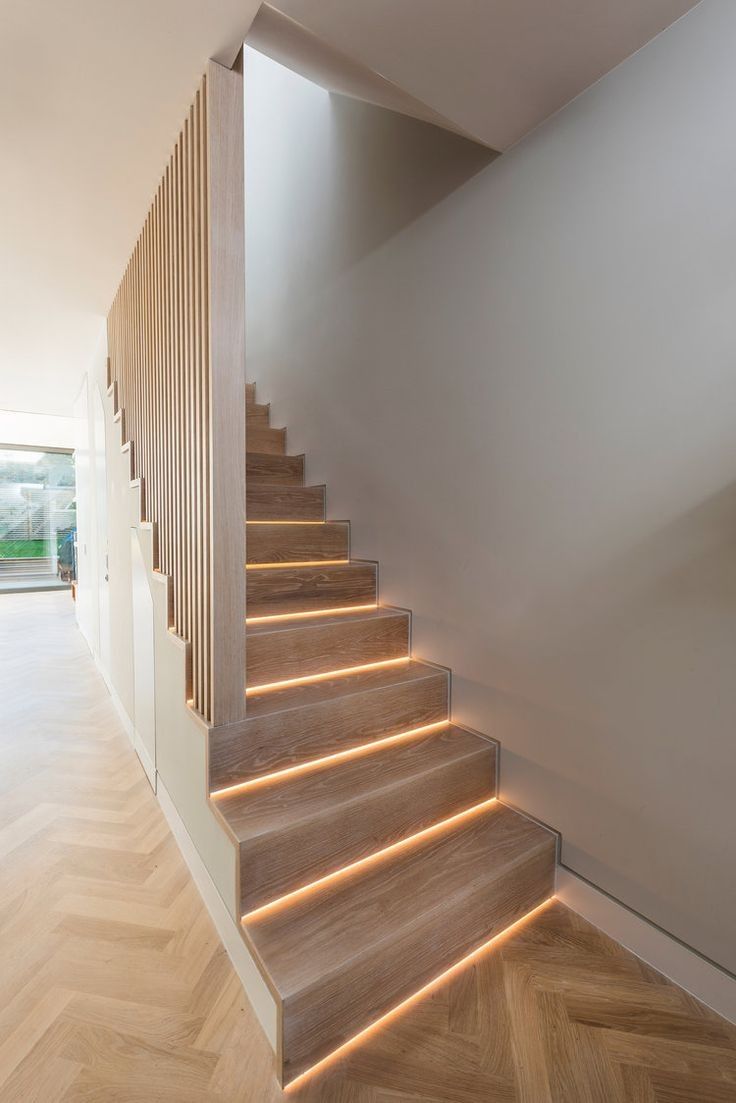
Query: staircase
{"points": [[374, 854]]}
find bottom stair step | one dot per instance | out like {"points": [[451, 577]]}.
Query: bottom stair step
{"points": [[345, 954]]}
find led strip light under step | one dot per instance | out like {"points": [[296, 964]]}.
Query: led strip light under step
{"points": [[399, 1009]]}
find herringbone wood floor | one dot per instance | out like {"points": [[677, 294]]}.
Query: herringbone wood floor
{"points": [[115, 989]]}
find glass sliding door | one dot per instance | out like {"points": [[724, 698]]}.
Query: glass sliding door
{"points": [[37, 519]]}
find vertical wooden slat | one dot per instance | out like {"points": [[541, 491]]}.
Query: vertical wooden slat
{"points": [[157, 486], [167, 519], [191, 438], [204, 388], [183, 382], [201, 198], [204, 400], [176, 405], [177, 356]]}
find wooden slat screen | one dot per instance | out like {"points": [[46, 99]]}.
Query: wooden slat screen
{"points": [[176, 352]]}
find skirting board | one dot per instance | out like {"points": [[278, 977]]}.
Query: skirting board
{"points": [[138, 744], [254, 986], [703, 980], [120, 709]]}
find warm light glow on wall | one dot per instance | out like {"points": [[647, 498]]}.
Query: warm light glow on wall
{"points": [[400, 1008], [307, 679], [370, 860], [276, 617], [332, 759], [290, 522]]}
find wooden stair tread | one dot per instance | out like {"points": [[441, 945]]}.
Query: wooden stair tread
{"points": [[306, 624], [272, 502], [342, 686], [264, 439], [293, 726], [293, 589], [257, 413], [297, 542], [314, 645], [265, 809], [274, 469]]}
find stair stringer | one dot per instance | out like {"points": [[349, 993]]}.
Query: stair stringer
{"points": [[180, 779]]}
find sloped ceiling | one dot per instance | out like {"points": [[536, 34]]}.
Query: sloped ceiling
{"points": [[92, 95], [494, 68]]}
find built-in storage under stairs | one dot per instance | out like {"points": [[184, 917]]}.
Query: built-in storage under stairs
{"points": [[374, 854]]}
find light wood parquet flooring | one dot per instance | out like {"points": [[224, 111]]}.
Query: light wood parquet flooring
{"points": [[114, 987]]}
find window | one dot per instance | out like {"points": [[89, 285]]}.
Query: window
{"points": [[37, 518]]}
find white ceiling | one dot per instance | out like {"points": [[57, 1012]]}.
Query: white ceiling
{"points": [[494, 68], [93, 92], [92, 95]]}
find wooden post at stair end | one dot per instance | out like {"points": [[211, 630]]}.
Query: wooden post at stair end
{"points": [[227, 390]]}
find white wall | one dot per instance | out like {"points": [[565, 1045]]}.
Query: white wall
{"points": [[104, 591], [518, 381], [85, 607], [90, 470], [37, 430]]}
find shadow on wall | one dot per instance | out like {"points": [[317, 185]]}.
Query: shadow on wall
{"points": [[620, 670], [388, 170], [329, 181], [643, 844], [689, 562]]}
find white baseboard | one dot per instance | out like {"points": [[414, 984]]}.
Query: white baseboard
{"points": [[138, 745], [120, 709], [703, 980], [146, 761]]}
